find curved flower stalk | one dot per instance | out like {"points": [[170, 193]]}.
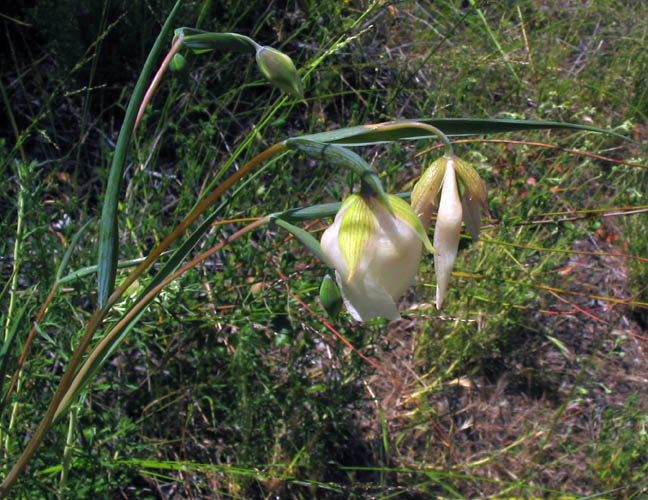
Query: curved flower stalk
{"points": [[375, 253], [437, 189]]}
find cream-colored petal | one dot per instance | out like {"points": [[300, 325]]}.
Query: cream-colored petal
{"points": [[446, 232], [397, 255], [329, 243], [404, 212], [365, 299]]}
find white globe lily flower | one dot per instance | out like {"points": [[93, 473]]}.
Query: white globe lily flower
{"points": [[375, 253], [451, 209]]}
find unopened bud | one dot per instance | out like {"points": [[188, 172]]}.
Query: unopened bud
{"points": [[331, 297], [178, 63], [280, 70]]}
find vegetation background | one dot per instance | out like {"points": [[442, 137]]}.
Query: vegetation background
{"points": [[531, 381]]}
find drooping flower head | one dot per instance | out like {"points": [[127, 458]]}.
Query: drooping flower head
{"points": [[375, 253], [438, 189]]}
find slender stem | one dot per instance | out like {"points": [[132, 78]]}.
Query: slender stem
{"points": [[425, 126], [438, 133], [109, 338], [67, 454], [22, 193], [156, 80]]}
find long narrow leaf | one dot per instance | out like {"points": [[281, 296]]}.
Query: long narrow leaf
{"points": [[310, 213], [399, 130], [318, 211], [109, 230]]}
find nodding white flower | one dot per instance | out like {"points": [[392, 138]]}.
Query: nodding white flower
{"points": [[437, 189], [375, 252]]}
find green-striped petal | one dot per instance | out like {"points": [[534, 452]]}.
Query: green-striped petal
{"points": [[356, 228]]}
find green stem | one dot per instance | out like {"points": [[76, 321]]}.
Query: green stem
{"points": [[425, 126], [30, 338], [157, 79], [22, 191]]}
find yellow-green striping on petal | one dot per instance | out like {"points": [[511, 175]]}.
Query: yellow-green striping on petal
{"points": [[356, 228], [404, 211]]}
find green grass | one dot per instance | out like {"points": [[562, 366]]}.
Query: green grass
{"points": [[528, 383]]}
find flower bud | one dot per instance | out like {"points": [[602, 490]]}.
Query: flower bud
{"points": [[280, 70], [331, 297], [178, 63], [375, 254]]}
